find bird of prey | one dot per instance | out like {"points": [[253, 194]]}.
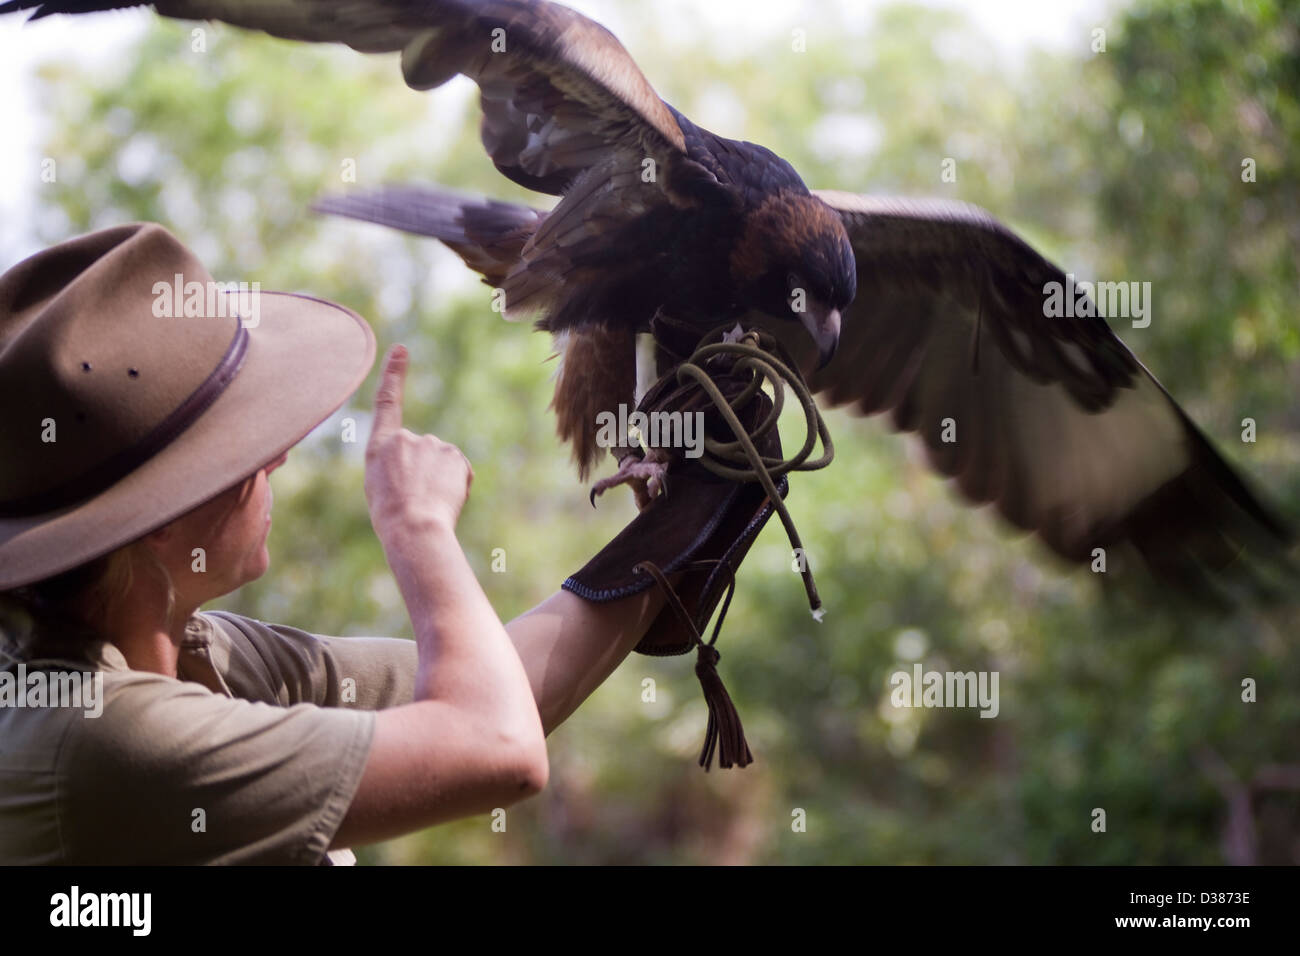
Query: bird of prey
{"points": [[930, 310]]}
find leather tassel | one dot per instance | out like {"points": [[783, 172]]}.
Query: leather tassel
{"points": [[724, 733]]}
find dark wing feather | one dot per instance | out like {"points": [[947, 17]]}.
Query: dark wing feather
{"points": [[370, 27], [558, 99], [559, 92], [1056, 422]]}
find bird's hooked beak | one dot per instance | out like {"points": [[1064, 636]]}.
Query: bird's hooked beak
{"points": [[823, 324]]}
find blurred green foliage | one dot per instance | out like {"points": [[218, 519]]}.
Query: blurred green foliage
{"points": [[1124, 163]]}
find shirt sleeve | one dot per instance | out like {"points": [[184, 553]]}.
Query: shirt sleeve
{"points": [[171, 773], [284, 665]]}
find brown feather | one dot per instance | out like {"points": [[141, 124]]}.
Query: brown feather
{"points": [[597, 374], [784, 223]]}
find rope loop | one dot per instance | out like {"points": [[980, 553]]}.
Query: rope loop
{"points": [[767, 362]]}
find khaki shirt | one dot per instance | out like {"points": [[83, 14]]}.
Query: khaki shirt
{"points": [[251, 756]]}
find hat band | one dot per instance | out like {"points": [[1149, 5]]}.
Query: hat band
{"points": [[122, 463]]}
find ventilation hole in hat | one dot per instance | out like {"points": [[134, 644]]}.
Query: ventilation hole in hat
{"points": [[134, 372], [85, 366]]}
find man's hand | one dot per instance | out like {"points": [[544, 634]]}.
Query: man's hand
{"points": [[411, 480]]}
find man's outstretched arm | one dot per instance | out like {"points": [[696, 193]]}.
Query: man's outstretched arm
{"points": [[569, 645]]}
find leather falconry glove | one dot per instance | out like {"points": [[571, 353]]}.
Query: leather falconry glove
{"points": [[712, 509]]}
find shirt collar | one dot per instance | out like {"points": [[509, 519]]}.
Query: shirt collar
{"points": [[106, 656]]}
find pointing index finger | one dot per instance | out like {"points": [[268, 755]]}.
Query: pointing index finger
{"points": [[388, 397]]}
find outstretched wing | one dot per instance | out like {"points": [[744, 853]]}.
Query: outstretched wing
{"points": [[1053, 420], [559, 92]]}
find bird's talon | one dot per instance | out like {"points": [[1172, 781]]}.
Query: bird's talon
{"points": [[647, 477]]}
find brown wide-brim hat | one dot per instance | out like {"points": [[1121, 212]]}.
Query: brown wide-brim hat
{"points": [[134, 389]]}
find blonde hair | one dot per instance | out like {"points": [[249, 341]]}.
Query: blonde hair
{"points": [[63, 614]]}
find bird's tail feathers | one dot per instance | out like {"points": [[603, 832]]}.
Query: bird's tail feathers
{"points": [[488, 234]]}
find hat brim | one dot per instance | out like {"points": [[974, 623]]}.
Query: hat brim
{"points": [[305, 358]]}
